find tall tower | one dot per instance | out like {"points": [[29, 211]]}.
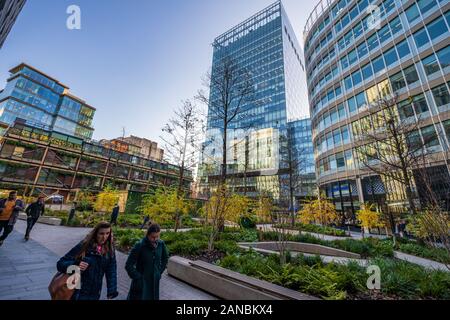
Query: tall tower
{"points": [[266, 48]]}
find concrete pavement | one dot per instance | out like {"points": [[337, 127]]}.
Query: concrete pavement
{"points": [[26, 268]]}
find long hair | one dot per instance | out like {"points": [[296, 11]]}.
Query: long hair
{"points": [[91, 239]]}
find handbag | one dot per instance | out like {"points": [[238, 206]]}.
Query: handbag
{"points": [[58, 287]]}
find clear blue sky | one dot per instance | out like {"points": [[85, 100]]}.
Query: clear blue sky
{"points": [[133, 60]]}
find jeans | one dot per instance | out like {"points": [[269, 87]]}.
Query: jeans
{"points": [[7, 229], [30, 224]]}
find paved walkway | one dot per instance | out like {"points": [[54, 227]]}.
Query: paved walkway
{"points": [[26, 268], [426, 263], [354, 235]]}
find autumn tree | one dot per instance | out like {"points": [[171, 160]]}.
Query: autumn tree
{"points": [[369, 218], [164, 205], [223, 206], [107, 199], [320, 211]]}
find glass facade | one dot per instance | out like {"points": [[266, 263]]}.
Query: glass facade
{"points": [[350, 64], [38, 99], [9, 10], [265, 46]]}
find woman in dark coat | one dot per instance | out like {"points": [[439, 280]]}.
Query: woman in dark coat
{"points": [[145, 265], [96, 257]]}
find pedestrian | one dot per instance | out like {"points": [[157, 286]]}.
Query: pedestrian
{"points": [[34, 211], [115, 214], [9, 212], [145, 265], [96, 257], [72, 212], [146, 220]]}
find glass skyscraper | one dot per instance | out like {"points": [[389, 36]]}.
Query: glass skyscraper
{"points": [[38, 99], [266, 47], [9, 10], [350, 63]]}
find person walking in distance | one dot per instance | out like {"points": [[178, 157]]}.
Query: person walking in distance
{"points": [[115, 214], [145, 265], [34, 211], [96, 258], [9, 212]]}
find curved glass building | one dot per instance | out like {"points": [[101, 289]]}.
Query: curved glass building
{"points": [[356, 54]]}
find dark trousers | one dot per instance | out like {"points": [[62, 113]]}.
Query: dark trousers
{"points": [[6, 229], [30, 224], [113, 219]]}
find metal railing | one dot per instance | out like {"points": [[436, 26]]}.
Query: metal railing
{"points": [[317, 12]]}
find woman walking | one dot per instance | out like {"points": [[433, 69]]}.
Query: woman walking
{"points": [[96, 257]]}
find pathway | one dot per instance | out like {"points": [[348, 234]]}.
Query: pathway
{"points": [[26, 268]]}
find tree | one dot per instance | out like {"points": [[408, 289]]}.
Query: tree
{"points": [[164, 205], [391, 147], [369, 218], [85, 200], [292, 180], [433, 227], [220, 207], [319, 211], [182, 133], [231, 94], [107, 199]]}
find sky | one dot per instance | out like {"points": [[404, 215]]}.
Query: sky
{"points": [[135, 60]]}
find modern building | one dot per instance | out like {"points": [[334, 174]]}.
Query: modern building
{"points": [[140, 146], [9, 10], [40, 155], [265, 46], [33, 96], [353, 58]]}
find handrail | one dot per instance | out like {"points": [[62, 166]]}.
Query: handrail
{"points": [[323, 6]]}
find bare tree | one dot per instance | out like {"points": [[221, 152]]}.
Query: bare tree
{"points": [[181, 135], [231, 93], [292, 177], [391, 147]]}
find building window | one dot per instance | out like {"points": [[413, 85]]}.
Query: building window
{"points": [[405, 109], [430, 64], [372, 42], [397, 81], [420, 104], [444, 57], [411, 75], [396, 25], [367, 71], [426, 5], [437, 28], [441, 95], [356, 78], [421, 38], [378, 64], [429, 136], [412, 13], [362, 50], [384, 34], [348, 83], [403, 49], [360, 100], [390, 57]]}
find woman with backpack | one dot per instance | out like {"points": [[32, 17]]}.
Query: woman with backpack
{"points": [[96, 258]]}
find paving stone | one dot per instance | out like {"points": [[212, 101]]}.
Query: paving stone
{"points": [[27, 268]]}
